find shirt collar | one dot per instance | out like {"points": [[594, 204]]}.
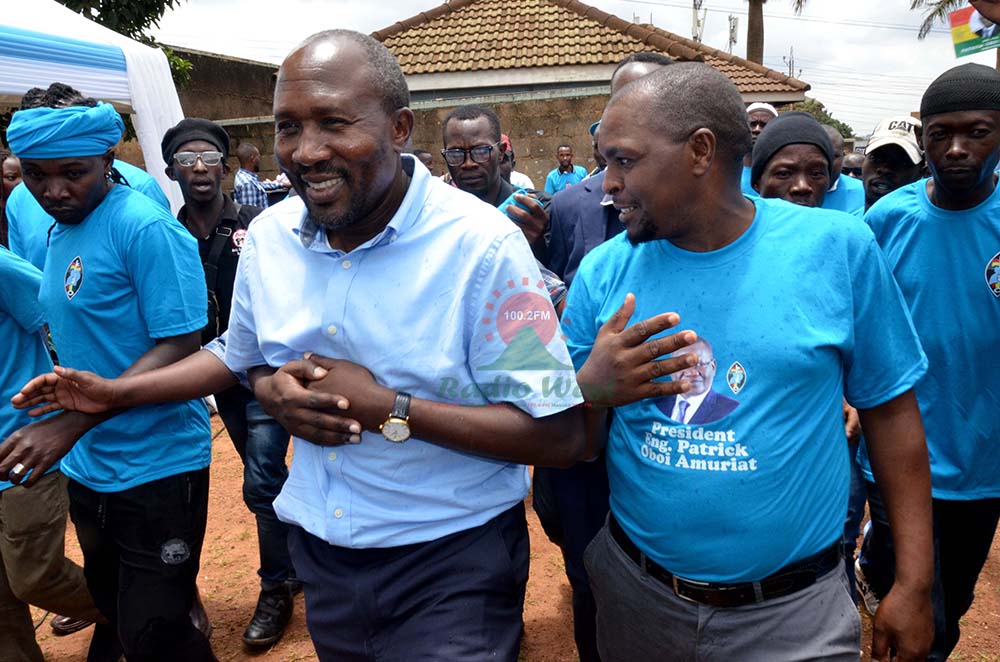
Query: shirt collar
{"points": [[313, 236]]}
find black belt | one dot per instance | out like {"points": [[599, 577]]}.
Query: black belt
{"points": [[793, 577]]}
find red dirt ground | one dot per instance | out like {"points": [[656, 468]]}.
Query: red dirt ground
{"points": [[228, 583]]}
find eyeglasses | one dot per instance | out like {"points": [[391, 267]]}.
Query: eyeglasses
{"points": [[854, 172], [479, 154], [188, 159]]}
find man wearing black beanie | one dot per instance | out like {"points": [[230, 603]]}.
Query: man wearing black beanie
{"points": [[792, 160], [195, 152], [942, 240]]}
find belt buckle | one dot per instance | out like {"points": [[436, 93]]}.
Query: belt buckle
{"points": [[679, 582]]}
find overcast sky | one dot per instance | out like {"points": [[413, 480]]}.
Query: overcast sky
{"points": [[862, 57]]}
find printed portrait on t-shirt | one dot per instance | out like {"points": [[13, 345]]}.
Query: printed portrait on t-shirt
{"points": [[702, 404]]}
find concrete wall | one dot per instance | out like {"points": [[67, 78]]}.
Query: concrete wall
{"points": [[224, 87]]}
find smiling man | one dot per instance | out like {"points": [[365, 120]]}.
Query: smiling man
{"points": [[407, 524], [689, 566], [942, 239]]}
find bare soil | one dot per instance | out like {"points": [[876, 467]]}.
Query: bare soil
{"points": [[229, 585]]}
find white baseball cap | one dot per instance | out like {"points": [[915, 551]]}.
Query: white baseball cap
{"points": [[900, 130]]}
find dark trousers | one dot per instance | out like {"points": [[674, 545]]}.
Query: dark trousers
{"points": [[572, 505], [963, 535], [458, 598], [141, 552], [262, 445]]}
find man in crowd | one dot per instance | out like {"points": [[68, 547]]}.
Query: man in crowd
{"points": [[413, 547], [595, 130], [426, 158], [508, 165], [684, 497], [852, 164], [565, 174], [572, 503], [893, 158], [195, 152], [941, 237], [758, 115], [846, 193], [29, 225], [123, 292], [793, 160], [34, 569], [248, 189]]}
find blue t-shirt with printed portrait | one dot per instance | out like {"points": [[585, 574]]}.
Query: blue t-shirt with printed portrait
{"points": [[125, 276], [798, 311], [947, 264]]}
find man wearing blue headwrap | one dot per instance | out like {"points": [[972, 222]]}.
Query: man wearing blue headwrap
{"points": [[123, 292], [29, 224]]}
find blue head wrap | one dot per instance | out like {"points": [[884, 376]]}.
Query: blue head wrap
{"points": [[59, 133]]}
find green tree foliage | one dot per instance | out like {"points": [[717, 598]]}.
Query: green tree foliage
{"points": [[755, 28], [133, 18], [823, 116]]}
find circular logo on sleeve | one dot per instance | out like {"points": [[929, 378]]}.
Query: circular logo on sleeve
{"points": [[993, 275]]}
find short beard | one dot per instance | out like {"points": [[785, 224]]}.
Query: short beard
{"points": [[644, 232]]}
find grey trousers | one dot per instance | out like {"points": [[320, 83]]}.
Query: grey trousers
{"points": [[639, 618]]}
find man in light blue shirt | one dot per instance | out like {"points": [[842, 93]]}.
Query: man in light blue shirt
{"points": [[566, 174], [446, 355]]}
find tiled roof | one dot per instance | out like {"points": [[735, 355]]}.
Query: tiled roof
{"points": [[483, 35]]}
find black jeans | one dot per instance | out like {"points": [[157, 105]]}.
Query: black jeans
{"points": [[141, 551], [963, 535], [262, 445], [459, 598]]}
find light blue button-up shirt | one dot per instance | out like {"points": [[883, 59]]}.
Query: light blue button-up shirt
{"points": [[447, 304]]}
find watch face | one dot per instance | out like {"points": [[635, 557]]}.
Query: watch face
{"points": [[396, 430]]}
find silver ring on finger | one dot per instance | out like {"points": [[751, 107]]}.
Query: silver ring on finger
{"points": [[17, 469]]}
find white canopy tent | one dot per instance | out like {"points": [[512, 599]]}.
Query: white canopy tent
{"points": [[42, 42]]}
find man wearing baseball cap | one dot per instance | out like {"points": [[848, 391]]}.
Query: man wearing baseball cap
{"points": [[892, 159], [941, 237]]}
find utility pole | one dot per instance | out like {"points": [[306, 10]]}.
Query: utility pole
{"points": [[790, 61], [698, 24], [734, 23]]}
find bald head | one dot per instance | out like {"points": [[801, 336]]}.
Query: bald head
{"points": [[636, 66], [838, 151], [688, 96], [322, 49]]}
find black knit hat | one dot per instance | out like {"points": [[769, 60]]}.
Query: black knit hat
{"points": [[967, 87], [795, 128], [194, 128]]}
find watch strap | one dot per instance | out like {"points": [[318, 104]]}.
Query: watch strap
{"points": [[401, 407]]}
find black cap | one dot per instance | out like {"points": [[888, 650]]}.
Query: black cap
{"points": [[194, 128], [966, 87], [795, 128]]}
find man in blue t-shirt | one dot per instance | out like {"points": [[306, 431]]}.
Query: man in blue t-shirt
{"points": [[793, 160], [723, 540], [893, 158], [758, 116], [941, 237], [845, 193], [123, 292], [34, 569], [566, 174]]}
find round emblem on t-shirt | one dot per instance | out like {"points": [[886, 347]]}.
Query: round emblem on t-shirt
{"points": [[993, 275], [238, 238], [73, 279]]}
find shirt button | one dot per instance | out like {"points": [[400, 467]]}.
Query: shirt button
{"points": [[332, 456], [346, 264], [332, 330], [338, 513]]}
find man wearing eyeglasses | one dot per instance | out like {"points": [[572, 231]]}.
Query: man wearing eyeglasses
{"points": [[702, 404], [195, 152], [473, 149]]}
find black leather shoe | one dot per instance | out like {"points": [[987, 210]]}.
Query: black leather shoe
{"points": [[63, 625], [274, 610], [199, 617]]}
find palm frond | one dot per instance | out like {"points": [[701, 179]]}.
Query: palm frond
{"points": [[937, 12]]}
